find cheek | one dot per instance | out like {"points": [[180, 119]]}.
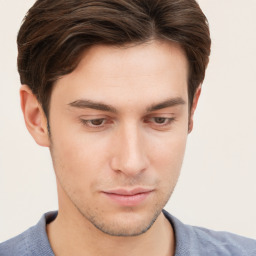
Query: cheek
{"points": [[169, 148], [79, 158], [170, 161], [70, 157], [167, 156]]}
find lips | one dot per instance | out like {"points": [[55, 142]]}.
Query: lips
{"points": [[128, 197]]}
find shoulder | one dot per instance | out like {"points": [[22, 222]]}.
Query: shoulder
{"points": [[16, 246], [33, 241], [197, 241], [224, 243]]}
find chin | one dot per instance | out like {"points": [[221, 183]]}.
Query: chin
{"points": [[125, 228], [126, 224]]}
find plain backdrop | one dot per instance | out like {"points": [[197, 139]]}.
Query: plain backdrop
{"points": [[217, 187]]}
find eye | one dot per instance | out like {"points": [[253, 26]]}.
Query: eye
{"points": [[159, 121], [99, 122]]}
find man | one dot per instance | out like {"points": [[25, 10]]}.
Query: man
{"points": [[111, 88]]}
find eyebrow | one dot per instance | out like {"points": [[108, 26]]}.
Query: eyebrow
{"points": [[83, 103], [167, 103], [93, 105]]}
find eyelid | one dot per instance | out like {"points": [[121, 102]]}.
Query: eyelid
{"points": [[87, 121], [165, 125], [162, 117], [106, 121]]}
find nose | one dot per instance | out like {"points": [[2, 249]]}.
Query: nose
{"points": [[130, 149]]}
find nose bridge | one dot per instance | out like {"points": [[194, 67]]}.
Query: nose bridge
{"points": [[130, 157]]}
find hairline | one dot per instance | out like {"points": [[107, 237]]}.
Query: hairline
{"points": [[46, 107]]}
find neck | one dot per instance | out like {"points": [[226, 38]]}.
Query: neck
{"points": [[77, 236]]}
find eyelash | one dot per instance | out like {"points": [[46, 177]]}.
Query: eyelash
{"points": [[90, 125], [167, 121]]}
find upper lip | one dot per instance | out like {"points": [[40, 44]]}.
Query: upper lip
{"points": [[128, 192]]}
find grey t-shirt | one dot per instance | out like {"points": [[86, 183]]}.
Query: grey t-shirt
{"points": [[190, 241]]}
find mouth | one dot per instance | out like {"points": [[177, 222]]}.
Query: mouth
{"points": [[128, 197]]}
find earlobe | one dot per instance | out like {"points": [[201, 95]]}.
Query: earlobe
{"points": [[193, 108], [34, 116]]}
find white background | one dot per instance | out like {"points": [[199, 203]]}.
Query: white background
{"points": [[217, 188]]}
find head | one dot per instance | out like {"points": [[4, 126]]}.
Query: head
{"points": [[55, 34], [116, 83]]}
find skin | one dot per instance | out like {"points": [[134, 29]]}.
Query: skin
{"points": [[120, 120]]}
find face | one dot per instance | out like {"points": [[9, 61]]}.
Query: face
{"points": [[119, 124]]}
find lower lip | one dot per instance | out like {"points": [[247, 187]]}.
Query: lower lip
{"points": [[128, 200]]}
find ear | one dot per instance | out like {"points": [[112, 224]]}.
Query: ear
{"points": [[193, 108], [34, 116]]}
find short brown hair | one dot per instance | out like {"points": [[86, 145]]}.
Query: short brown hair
{"points": [[55, 33]]}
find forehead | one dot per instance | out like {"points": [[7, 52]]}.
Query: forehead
{"points": [[153, 71], [134, 60]]}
